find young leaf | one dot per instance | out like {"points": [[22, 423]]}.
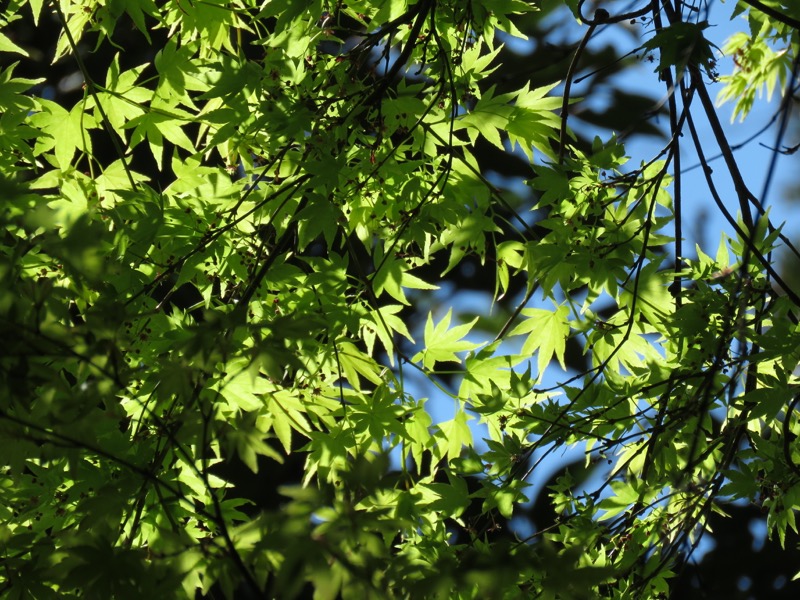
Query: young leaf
{"points": [[442, 343], [547, 333]]}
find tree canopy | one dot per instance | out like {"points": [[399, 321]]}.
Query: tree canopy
{"points": [[231, 231]]}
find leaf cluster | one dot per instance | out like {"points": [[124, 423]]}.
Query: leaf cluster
{"points": [[249, 298]]}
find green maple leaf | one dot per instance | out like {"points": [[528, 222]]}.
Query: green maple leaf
{"points": [[547, 332], [453, 436], [442, 342], [393, 276], [683, 44]]}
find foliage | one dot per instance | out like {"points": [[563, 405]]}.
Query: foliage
{"points": [[253, 301]]}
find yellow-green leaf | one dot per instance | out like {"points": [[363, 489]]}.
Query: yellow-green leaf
{"points": [[6, 45], [442, 342], [547, 333]]}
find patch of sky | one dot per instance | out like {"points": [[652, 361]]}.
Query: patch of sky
{"points": [[758, 529], [519, 46]]}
